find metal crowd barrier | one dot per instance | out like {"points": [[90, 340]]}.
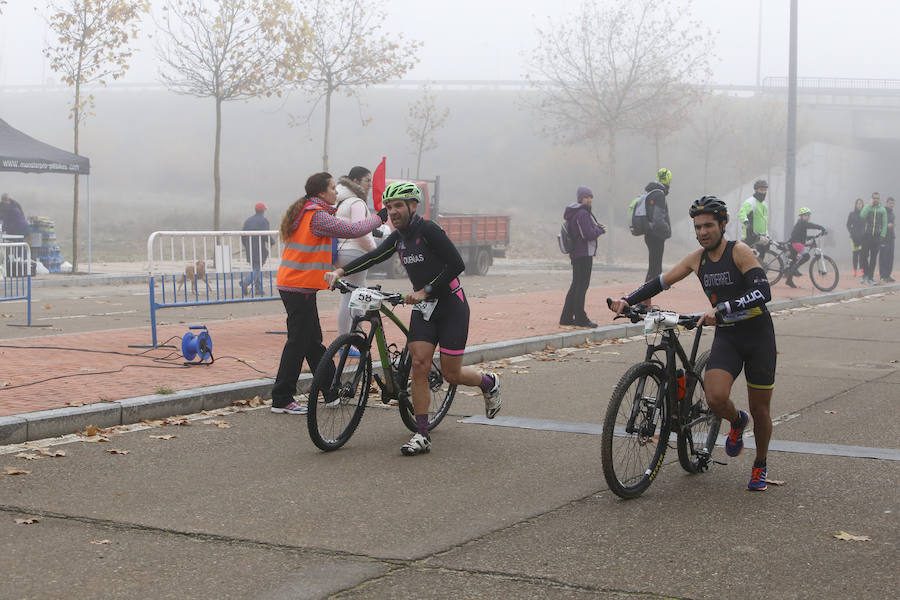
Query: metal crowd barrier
{"points": [[195, 268], [15, 274]]}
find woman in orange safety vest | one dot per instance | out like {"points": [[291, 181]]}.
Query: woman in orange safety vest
{"points": [[307, 229]]}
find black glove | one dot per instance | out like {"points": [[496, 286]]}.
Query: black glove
{"points": [[377, 233], [382, 214]]}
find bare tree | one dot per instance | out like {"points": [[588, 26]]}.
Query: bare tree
{"points": [[230, 50], [347, 52], [667, 114], [425, 118], [92, 45], [602, 70]]}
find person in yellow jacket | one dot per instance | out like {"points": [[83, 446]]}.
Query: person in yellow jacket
{"points": [[307, 229]]}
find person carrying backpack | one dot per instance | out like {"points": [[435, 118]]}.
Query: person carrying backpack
{"points": [[584, 231], [658, 226]]}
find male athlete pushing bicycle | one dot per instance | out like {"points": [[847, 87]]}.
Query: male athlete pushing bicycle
{"points": [[738, 290]]}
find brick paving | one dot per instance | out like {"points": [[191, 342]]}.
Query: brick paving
{"points": [[244, 350]]}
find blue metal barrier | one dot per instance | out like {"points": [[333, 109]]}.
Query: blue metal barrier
{"points": [[198, 268], [15, 274]]}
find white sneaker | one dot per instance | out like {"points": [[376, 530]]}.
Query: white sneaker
{"points": [[419, 444], [294, 408], [492, 400]]}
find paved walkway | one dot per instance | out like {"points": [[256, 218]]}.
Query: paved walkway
{"points": [[48, 372]]}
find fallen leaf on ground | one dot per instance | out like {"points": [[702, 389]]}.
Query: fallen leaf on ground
{"points": [[48, 306], [26, 521], [153, 423], [168, 436], [217, 423], [74, 403], [843, 535], [831, 412], [96, 438], [91, 430], [117, 451], [15, 471], [53, 453], [27, 456], [100, 542]]}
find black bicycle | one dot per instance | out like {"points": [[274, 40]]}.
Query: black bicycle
{"points": [[653, 398], [343, 380], [823, 270]]}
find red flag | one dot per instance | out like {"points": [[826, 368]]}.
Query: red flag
{"points": [[378, 184]]}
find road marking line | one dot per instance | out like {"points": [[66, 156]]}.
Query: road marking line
{"points": [[775, 445]]}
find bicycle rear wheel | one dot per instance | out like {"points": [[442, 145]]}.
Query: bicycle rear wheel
{"points": [[339, 391], [635, 431], [773, 265], [823, 272], [701, 426], [442, 394]]}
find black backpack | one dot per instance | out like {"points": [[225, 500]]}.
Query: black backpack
{"points": [[566, 237]]}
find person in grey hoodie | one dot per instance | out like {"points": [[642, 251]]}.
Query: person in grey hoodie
{"points": [[585, 230]]}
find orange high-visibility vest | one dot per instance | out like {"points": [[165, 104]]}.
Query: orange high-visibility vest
{"points": [[306, 257]]}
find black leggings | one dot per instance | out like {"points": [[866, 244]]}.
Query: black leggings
{"points": [[304, 341], [655, 247], [573, 310]]}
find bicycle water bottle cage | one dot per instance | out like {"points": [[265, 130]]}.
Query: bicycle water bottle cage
{"points": [[659, 321], [363, 300]]}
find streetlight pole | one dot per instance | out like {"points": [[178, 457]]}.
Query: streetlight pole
{"points": [[790, 174]]}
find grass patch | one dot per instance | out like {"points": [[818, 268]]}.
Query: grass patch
{"points": [[164, 391]]}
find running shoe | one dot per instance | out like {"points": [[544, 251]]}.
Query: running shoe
{"points": [[492, 400], [419, 444], [294, 408], [758, 480], [735, 441]]}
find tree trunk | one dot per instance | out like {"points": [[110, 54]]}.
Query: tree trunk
{"points": [[611, 203], [76, 116], [656, 144], [327, 128], [421, 146], [217, 181]]}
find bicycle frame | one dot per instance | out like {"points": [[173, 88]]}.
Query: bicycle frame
{"points": [[672, 347], [389, 388]]}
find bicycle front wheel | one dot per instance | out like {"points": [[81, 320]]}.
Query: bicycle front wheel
{"points": [[635, 431], [339, 391], [823, 272], [773, 265], [442, 394], [697, 439]]}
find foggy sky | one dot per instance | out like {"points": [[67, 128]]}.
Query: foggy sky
{"points": [[487, 39]]}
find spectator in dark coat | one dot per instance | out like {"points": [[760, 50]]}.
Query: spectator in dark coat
{"points": [[659, 227], [256, 247], [585, 229], [856, 228], [886, 254], [12, 217]]}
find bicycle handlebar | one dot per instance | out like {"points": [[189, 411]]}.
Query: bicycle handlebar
{"points": [[393, 298], [637, 314]]}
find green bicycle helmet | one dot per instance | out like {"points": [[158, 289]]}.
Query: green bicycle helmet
{"points": [[402, 190], [803, 211], [664, 176], [710, 205]]}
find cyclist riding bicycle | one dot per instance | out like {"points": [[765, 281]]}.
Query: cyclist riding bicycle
{"points": [[441, 313], [738, 290], [798, 239]]}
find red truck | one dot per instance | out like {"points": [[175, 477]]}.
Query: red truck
{"points": [[479, 238]]}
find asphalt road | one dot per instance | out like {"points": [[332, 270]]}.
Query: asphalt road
{"points": [[253, 510], [117, 306]]}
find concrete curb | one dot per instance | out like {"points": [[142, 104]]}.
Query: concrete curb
{"points": [[16, 429]]}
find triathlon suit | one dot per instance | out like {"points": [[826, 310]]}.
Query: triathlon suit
{"points": [[430, 258], [746, 338]]}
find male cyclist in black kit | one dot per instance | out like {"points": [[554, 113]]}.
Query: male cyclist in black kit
{"points": [[738, 290], [441, 312]]}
